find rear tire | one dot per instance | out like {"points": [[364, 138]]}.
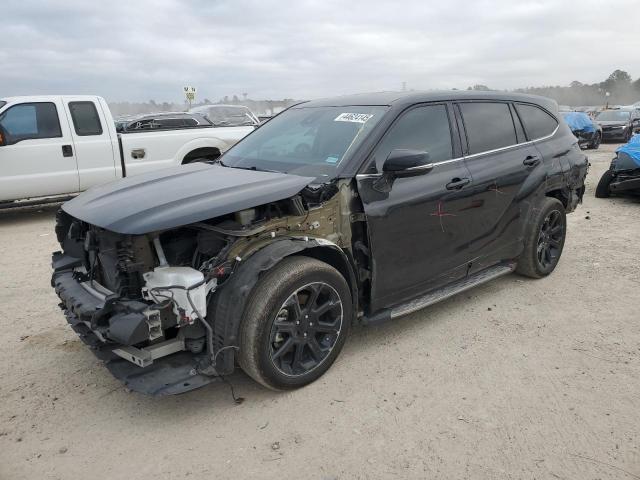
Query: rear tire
{"points": [[602, 190], [295, 323], [544, 241]]}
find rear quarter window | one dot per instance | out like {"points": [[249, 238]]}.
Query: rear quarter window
{"points": [[85, 118], [489, 126], [537, 123]]}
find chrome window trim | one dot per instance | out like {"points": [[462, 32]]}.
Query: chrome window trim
{"points": [[528, 142], [467, 157]]}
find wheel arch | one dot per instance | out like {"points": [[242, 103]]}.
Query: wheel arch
{"points": [[561, 194], [226, 307], [198, 144], [210, 153]]}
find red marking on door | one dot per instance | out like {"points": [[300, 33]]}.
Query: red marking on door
{"points": [[441, 213], [494, 188]]}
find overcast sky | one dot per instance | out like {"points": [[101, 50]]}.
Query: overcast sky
{"points": [[148, 49]]}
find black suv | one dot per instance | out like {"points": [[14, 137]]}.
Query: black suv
{"points": [[355, 209], [619, 124]]}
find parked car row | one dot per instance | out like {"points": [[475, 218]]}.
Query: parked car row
{"points": [[613, 124]]}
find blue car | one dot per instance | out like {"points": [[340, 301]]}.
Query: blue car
{"points": [[623, 176], [588, 132]]}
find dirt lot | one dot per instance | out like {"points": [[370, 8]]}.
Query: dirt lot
{"points": [[515, 379]]}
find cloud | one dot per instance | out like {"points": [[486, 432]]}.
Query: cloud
{"points": [[138, 50]]}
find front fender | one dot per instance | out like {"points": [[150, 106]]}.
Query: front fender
{"points": [[226, 307]]}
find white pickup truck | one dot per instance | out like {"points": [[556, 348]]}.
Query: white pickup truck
{"points": [[61, 145]]}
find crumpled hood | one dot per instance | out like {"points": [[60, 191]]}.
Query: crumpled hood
{"points": [[179, 196]]}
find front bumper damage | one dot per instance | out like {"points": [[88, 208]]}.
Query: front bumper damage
{"points": [[98, 316]]}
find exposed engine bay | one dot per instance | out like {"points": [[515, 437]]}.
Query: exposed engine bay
{"points": [[140, 299]]}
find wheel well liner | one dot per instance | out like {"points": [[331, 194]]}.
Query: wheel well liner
{"points": [[210, 153], [561, 194], [229, 302]]}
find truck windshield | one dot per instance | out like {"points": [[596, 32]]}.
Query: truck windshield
{"points": [[312, 141]]}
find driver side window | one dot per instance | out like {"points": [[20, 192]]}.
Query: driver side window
{"points": [[30, 120], [423, 128]]}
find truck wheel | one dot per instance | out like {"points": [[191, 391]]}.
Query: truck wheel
{"points": [[295, 323], [544, 241], [602, 190]]}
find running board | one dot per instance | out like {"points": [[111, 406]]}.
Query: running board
{"points": [[452, 289]]}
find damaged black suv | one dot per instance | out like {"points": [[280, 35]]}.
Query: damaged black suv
{"points": [[356, 209]]}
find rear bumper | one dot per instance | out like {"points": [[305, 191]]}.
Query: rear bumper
{"points": [[90, 313]]}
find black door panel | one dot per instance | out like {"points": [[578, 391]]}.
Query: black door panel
{"points": [[416, 224], [498, 180], [418, 231]]}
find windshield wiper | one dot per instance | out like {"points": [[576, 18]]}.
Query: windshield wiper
{"points": [[253, 167], [256, 169]]}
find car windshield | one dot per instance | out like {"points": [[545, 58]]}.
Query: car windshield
{"points": [[226, 116], [613, 115], [311, 141]]}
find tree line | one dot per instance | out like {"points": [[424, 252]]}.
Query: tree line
{"points": [[621, 89]]}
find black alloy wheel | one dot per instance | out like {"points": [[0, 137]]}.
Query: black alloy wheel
{"points": [[295, 323], [306, 329], [550, 240], [544, 239]]}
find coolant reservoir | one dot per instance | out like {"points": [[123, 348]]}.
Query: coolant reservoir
{"points": [[173, 282]]}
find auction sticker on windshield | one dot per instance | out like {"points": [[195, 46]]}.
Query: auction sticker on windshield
{"points": [[353, 117]]}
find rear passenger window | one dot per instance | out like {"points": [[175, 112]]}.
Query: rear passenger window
{"points": [[422, 128], [85, 118], [489, 126], [537, 122]]}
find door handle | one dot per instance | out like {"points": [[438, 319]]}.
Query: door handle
{"points": [[67, 151], [531, 160], [138, 153], [458, 183]]}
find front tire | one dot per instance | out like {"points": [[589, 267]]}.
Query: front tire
{"points": [[295, 323], [602, 190], [544, 241]]}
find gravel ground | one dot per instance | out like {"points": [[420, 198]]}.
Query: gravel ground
{"points": [[515, 379]]}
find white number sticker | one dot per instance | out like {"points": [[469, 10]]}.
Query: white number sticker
{"points": [[353, 117]]}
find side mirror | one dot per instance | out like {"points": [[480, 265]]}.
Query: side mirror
{"points": [[407, 163]]}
